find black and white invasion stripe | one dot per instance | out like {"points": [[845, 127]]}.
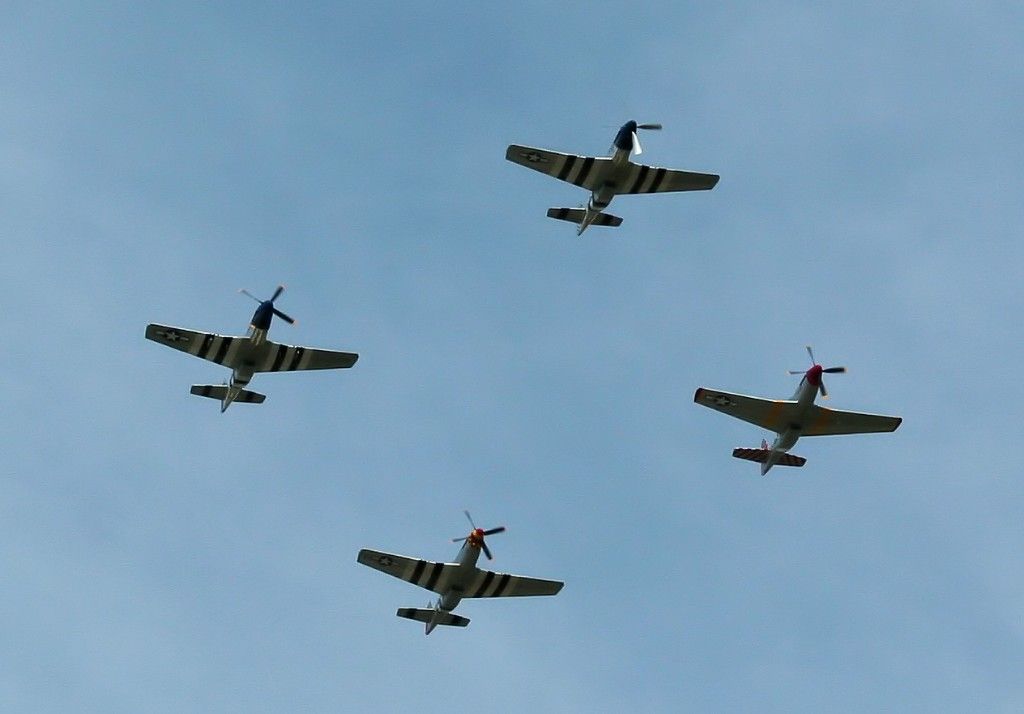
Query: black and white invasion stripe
{"points": [[648, 179], [491, 585], [286, 358], [576, 169], [216, 348]]}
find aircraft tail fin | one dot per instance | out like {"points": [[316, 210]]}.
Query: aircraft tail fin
{"points": [[220, 391], [761, 456], [432, 617], [576, 215]]}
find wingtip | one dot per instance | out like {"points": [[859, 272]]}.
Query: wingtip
{"points": [[697, 394]]}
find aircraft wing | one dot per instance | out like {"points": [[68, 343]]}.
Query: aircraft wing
{"points": [[207, 345], [772, 414], [491, 584], [286, 358], [652, 179], [584, 171], [427, 574], [826, 422]]}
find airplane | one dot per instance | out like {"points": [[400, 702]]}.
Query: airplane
{"points": [[607, 177], [793, 418], [455, 581], [247, 355]]}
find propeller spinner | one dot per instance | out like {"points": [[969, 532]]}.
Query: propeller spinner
{"points": [[815, 372], [262, 316], [627, 138], [476, 536]]}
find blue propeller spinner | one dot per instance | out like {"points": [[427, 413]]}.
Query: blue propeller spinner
{"points": [[266, 311]]}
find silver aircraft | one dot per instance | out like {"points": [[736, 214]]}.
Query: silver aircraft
{"points": [[247, 355], [607, 177], [455, 581], [793, 418]]}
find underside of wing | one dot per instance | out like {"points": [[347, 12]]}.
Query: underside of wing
{"points": [[427, 574], [826, 422], [652, 179], [772, 414], [583, 171], [206, 345], [491, 584], [288, 358]]}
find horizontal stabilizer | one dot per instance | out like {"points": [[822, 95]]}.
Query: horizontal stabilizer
{"points": [[439, 618], [576, 215], [220, 391], [761, 455]]}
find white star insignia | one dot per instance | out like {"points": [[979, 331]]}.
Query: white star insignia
{"points": [[172, 336]]}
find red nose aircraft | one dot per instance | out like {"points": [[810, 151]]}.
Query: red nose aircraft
{"points": [[790, 419]]}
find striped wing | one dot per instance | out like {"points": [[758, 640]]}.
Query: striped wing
{"points": [[584, 171], [442, 577], [491, 584], [652, 179], [827, 422], [239, 353], [287, 358], [772, 414], [427, 574], [207, 345]]}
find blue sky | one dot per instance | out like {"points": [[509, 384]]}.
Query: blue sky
{"points": [[162, 557]]}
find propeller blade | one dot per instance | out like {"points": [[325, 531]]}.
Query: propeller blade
{"points": [[649, 127], [835, 370], [277, 293], [797, 371], [470, 519], [824, 392], [637, 149], [459, 540], [246, 292], [487, 551], [289, 320], [811, 353], [492, 531]]}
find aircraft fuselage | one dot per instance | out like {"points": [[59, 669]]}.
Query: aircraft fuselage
{"points": [[804, 396], [612, 176], [466, 559], [460, 579], [259, 326]]}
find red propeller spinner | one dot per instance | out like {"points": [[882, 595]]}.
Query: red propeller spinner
{"points": [[476, 536], [813, 375]]}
